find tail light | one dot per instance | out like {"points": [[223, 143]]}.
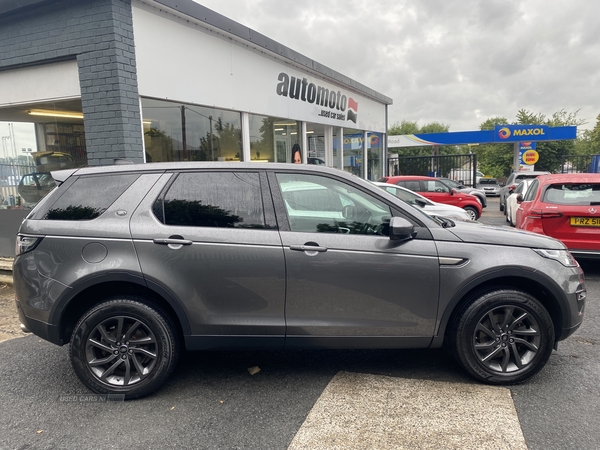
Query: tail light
{"points": [[26, 243], [539, 214]]}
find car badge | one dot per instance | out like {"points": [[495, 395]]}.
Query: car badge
{"points": [[592, 210]]}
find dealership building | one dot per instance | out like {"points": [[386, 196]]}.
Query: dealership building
{"points": [[169, 80]]}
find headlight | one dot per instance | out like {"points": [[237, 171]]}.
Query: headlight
{"points": [[562, 256]]}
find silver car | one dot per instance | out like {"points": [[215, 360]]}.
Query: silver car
{"points": [[490, 186], [201, 256]]}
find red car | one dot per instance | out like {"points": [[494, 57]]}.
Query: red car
{"points": [[437, 191], [565, 207]]}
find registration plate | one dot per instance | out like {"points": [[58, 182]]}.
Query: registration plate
{"points": [[585, 221]]}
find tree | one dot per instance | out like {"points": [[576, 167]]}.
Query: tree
{"points": [[588, 142], [552, 152], [406, 127], [494, 160]]}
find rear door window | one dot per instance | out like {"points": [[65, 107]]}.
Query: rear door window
{"points": [[213, 199], [413, 185]]}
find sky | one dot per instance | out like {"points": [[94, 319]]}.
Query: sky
{"points": [[16, 136], [455, 62]]}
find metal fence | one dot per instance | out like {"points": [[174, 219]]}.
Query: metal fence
{"points": [[10, 176], [580, 164], [456, 167]]}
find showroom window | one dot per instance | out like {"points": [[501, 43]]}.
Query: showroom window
{"points": [[375, 156], [213, 199], [272, 138], [186, 132]]}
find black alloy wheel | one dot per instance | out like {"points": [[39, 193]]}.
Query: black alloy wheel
{"points": [[503, 337], [123, 346]]}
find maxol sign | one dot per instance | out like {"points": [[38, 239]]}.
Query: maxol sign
{"points": [[501, 133], [517, 133]]}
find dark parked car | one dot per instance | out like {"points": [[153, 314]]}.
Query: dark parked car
{"points": [[277, 256]]}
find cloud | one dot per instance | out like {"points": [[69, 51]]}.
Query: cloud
{"points": [[457, 63]]}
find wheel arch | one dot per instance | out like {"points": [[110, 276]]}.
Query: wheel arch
{"points": [[87, 294], [539, 288]]}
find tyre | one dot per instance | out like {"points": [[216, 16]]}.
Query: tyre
{"points": [[501, 205], [507, 214], [472, 212], [503, 337], [123, 346]]}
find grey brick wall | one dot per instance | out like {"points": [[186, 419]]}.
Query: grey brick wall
{"points": [[99, 35]]}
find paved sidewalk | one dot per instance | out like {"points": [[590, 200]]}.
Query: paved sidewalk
{"points": [[6, 270]]}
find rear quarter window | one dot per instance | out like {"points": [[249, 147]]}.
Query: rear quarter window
{"points": [[88, 197]]}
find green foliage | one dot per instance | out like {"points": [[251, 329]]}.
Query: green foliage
{"points": [[588, 142], [494, 160], [406, 127], [551, 153]]}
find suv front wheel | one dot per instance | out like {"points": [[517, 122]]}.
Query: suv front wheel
{"points": [[123, 346], [472, 212], [503, 337]]}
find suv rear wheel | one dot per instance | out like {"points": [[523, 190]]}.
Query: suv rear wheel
{"points": [[123, 346], [503, 337]]}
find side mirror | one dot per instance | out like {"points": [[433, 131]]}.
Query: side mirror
{"points": [[452, 191], [401, 229], [519, 198]]}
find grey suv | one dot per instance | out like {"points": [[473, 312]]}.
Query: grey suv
{"points": [[132, 263]]}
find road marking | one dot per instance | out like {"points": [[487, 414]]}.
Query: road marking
{"points": [[362, 411]]}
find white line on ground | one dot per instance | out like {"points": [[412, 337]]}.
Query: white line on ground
{"points": [[361, 411]]}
